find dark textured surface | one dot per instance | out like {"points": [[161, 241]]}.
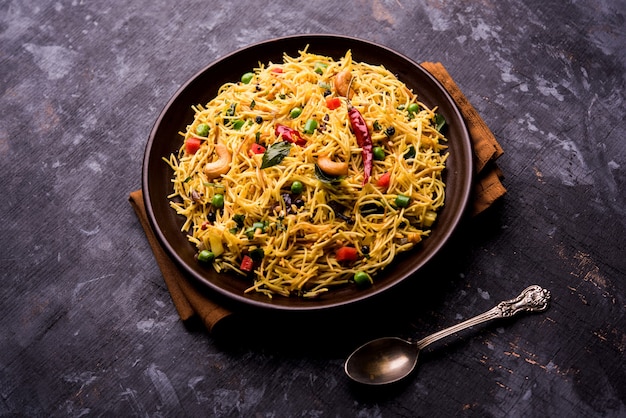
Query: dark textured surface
{"points": [[88, 327]]}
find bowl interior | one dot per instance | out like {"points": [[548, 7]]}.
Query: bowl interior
{"points": [[165, 140]]}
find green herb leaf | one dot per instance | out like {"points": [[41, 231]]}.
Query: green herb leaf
{"points": [[257, 254], [239, 219], [410, 153], [439, 121], [275, 154], [371, 209]]}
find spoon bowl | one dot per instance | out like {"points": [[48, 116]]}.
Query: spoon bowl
{"points": [[387, 360], [381, 361]]}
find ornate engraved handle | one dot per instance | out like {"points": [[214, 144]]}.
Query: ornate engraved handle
{"points": [[533, 299]]}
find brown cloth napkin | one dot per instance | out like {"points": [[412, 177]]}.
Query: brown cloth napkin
{"points": [[487, 188], [191, 302]]}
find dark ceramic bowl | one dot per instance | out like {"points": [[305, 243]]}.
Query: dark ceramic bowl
{"points": [[165, 140]]}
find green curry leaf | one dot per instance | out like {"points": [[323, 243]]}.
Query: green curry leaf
{"points": [[275, 154]]}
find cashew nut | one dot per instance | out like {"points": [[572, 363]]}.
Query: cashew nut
{"points": [[221, 165], [330, 167], [342, 83]]}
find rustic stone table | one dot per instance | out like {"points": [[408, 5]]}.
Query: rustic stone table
{"points": [[88, 327]]}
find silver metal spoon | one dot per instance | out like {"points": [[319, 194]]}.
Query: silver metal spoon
{"points": [[387, 360]]}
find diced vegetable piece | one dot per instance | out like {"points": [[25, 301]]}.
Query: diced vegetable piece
{"points": [[310, 126], [361, 278], [192, 145], [259, 225], [247, 264], [257, 149], [215, 241], [295, 112], [277, 70], [206, 256], [402, 201], [390, 131], [324, 86], [247, 78], [346, 254], [429, 218], [333, 103], [202, 129], [384, 180], [320, 67]]}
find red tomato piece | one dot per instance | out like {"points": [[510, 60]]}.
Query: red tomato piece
{"points": [[257, 149], [277, 70], [346, 254], [192, 145], [246, 264], [333, 102], [384, 180]]}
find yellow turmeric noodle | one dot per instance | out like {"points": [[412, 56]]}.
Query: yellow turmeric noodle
{"points": [[271, 176]]}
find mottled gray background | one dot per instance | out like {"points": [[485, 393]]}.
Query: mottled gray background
{"points": [[87, 326]]}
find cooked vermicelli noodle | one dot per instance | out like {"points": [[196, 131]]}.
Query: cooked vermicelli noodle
{"points": [[273, 178]]}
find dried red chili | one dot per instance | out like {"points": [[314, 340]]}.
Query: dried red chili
{"points": [[289, 135], [363, 139]]}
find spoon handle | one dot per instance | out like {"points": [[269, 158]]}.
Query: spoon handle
{"points": [[534, 299]]}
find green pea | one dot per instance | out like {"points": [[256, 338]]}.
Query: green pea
{"points": [[413, 108], [379, 153], [202, 129], [206, 256], [295, 112], [402, 201], [361, 278], [247, 78], [310, 126], [218, 200], [297, 187]]}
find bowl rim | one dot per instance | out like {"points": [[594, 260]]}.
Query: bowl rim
{"points": [[359, 296]]}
